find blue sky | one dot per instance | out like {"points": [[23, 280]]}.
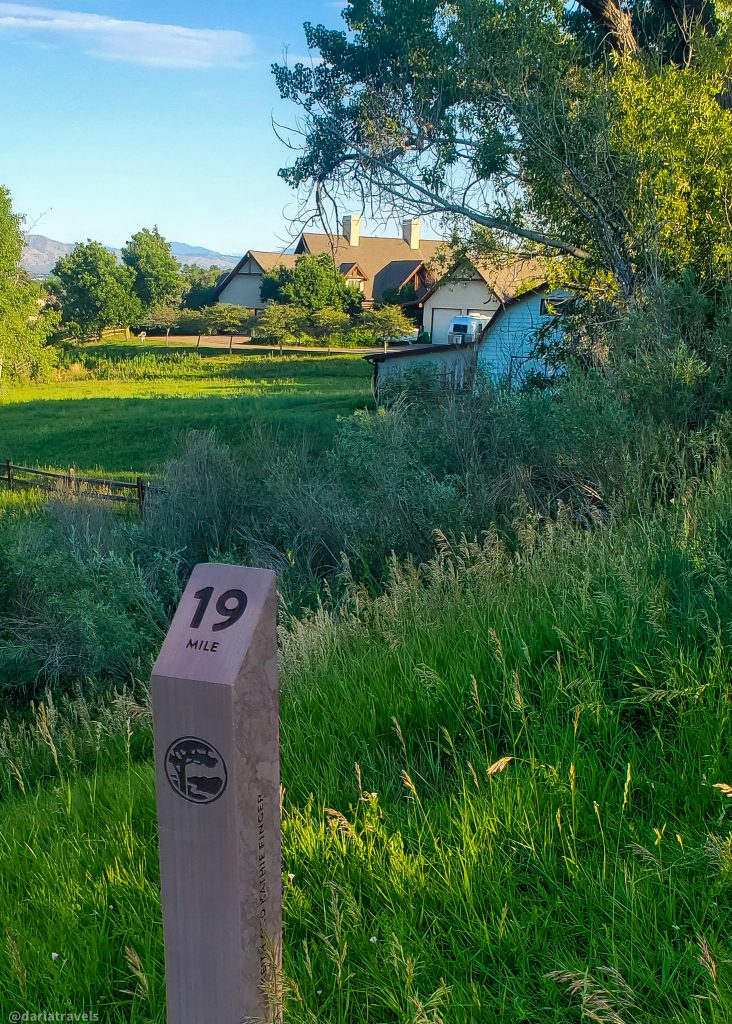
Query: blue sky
{"points": [[119, 114]]}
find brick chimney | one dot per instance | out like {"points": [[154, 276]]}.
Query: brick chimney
{"points": [[411, 229], [352, 228]]}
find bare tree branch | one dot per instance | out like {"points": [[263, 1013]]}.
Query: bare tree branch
{"points": [[440, 204]]}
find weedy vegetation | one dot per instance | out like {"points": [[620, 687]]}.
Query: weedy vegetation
{"points": [[505, 646]]}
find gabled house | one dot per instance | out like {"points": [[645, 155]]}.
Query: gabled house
{"points": [[504, 353], [473, 289], [376, 266], [242, 285]]}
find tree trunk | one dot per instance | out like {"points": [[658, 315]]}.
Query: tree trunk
{"points": [[616, 23]]}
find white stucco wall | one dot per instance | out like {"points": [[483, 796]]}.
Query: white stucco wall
{"points": [[243, 290], [505, 354], [456, 298]]}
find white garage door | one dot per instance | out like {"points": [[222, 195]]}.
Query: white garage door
{"points": [[441, 323]]}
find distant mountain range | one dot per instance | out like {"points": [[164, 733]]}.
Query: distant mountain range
{"points": [[41, 255]]}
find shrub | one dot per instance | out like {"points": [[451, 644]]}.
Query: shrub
{"points": [[360, 337], [75, 603], [432, 464], [668, 357], [430, 461], [199, 505]]}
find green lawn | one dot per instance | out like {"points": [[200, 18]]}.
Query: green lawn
{"points": [[123, 426]]}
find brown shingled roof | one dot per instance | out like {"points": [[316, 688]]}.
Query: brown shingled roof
{"points": [[269, 260], [508, 280], [374, 256], [395, 275], [353, 269], [389, 263]]}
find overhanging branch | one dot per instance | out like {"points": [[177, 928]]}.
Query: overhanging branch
{"points": [[440, 204]]}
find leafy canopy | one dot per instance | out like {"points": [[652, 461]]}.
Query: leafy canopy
{"points": [[157, 279], [94, 291], [280, 322], [199, 285], [227, 317], [328, 322], [25, 323], [161, 318], [314, 283], [196, 321], [386, 323], [603, 137]]}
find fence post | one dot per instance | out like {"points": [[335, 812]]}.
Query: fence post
{"points": [[9, 473], [141, 494]]}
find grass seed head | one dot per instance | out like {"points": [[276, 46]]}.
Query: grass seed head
{"points": [[498, 766]]}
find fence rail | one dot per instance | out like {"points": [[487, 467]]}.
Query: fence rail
{"points": [[124, 491]]}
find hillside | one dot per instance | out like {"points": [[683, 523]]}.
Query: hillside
{"points": [[41, 254]]}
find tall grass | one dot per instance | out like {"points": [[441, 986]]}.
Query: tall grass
{"points": [[429, 462], [500, 798], [76, 364]]}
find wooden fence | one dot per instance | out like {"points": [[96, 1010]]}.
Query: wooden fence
{"points": [[124, 491]]}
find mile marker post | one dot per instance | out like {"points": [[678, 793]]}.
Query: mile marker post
{"points": [[216, 724]]}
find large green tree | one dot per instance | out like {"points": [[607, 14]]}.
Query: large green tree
{"points": [[328, 323], [313, 283], [199, 286], [25, 322], [95, 291], [197, 322], [600, 137], [157, 278], [228, 318]]}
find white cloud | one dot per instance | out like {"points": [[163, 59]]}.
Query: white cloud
{"points": [[135, 42]]}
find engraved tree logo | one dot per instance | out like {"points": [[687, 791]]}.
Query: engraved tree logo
{"points": [[201, 787]]}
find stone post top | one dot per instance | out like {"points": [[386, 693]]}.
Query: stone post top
{"points": [[216, 622]]}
